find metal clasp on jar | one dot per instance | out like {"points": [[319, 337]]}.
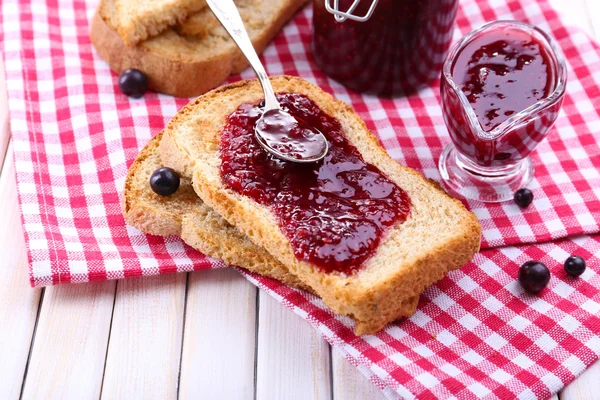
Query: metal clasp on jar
{"points": [[341, 16]]}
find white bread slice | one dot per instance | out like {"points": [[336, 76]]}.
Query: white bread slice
{"points": [[139, 20], [184, 214], [439, 235], [189, 59]]}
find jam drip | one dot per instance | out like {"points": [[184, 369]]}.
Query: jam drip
{"points": [[503, 73], [334, 212]]}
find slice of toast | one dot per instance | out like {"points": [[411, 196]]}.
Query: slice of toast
{"points": [[191, 58], [139, 20], [439, 235], [184, 214]]}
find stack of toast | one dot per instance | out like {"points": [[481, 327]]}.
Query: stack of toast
{"points": [[179, 44], [438, 236]]}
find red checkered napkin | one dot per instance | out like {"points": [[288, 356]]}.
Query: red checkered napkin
{"points": [[74, 134], [475, 333]]}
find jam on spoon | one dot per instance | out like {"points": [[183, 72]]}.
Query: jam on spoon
{"points": [[290, 138]]}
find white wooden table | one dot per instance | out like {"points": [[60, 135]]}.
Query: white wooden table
{"points": [[209, 335]]}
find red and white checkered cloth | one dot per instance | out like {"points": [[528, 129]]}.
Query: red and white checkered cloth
{"points": [[476, 333]]}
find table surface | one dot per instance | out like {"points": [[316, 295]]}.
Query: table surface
{"points": [[208, 334]]}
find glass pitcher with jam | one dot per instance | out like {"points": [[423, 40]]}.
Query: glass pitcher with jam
{"points": [[385, 47]]}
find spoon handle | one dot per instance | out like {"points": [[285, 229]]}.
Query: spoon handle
{"points": [[227, 13]]}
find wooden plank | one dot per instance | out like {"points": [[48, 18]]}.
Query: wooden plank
{"points": [[220, 337], [67, 359], [593, 15], [585, 387], [18, 301], [145, 340], [349, 383], [292, 359], [4, 124]]}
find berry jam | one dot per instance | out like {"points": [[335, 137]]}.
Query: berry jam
{"points": [[503, 73], [399, 49], [335, 212], [503, 69]]}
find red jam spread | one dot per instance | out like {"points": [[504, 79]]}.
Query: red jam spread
{"points": [[503, 73], [335, 212], [289, 135], [400, 48]]}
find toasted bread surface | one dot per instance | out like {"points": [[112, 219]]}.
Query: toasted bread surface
{"points": [[139, 20], [440, 234], [195, 56]]}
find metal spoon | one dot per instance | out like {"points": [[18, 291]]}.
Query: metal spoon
{"points": [[274, 127]]}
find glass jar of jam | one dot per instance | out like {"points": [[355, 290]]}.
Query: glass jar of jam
{"points": [[502, 89], [385, 47]]}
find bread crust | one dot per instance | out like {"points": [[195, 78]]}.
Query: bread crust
{"points": [[440, 234], [171, 61]]}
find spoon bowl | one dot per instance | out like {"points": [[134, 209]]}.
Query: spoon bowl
{"points": [[277, 131], [289, 138]]}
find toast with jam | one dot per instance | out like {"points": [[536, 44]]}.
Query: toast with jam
{"points": [[184, 214], [361, 230], [183, 53]]}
